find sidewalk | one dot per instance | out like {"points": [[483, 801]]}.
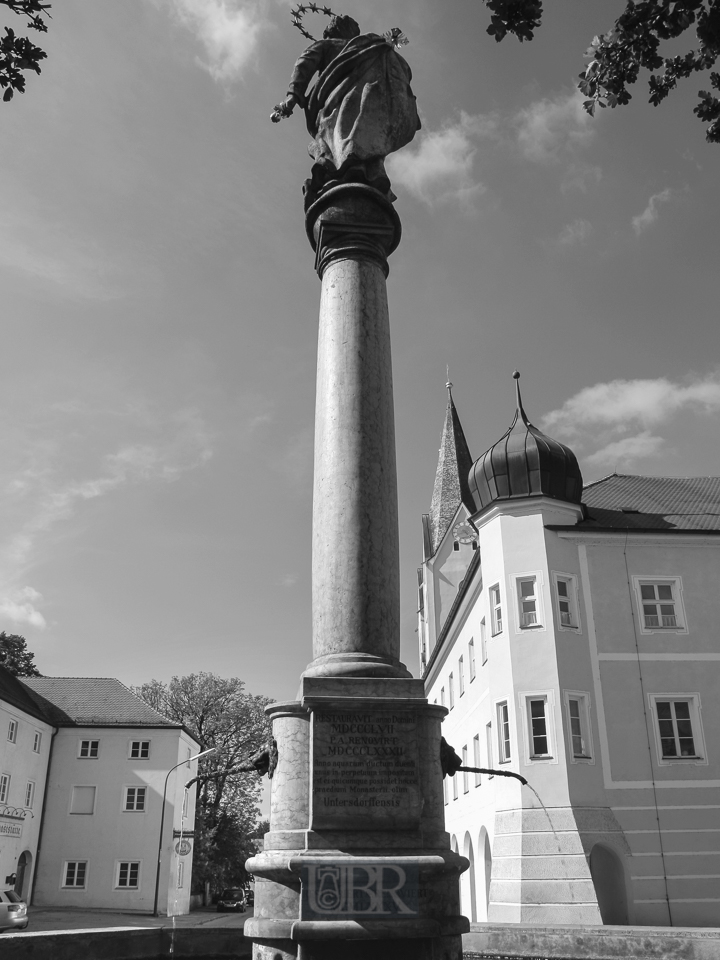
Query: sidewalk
{"points": [[46, 919]]}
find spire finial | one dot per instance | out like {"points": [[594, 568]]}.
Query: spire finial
{"points": [[518, 398], [448, 384]]}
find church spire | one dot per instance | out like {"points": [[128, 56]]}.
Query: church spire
{"points": [[451, 478]]}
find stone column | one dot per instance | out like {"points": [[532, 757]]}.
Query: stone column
{"points": [[355, 565], [357, 802]]}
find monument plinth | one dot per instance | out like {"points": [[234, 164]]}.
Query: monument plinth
{"points": [[357, 864]]}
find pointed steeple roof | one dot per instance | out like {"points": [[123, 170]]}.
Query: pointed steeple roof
{"points": [[451, 478]]}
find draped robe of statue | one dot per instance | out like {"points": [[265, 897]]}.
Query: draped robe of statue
{"points": [[360, 109]]}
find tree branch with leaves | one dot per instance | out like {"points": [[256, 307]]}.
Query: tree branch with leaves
{"points": [[17, 53], [220, 714], [617, 56]]}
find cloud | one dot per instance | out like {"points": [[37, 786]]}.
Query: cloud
{"points": [[229, 30], [549, 129], [651, 212], [289, 580], [620, 403], [39, 495], [576, 232], [626, 451], [438, 167], [20, 606]]}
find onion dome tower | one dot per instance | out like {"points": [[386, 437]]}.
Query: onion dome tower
{"points": [[525, 463]]}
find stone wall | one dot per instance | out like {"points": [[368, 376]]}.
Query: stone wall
{"points": [[518, 941]]}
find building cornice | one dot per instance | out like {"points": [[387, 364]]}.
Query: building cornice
{"points": [[640, 535]]}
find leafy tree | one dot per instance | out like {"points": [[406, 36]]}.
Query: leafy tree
{"points": [[20, 53], [219, 714], [617, 56], [15, 656]]}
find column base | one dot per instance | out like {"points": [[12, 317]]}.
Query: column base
{"points": [[356, 665]]}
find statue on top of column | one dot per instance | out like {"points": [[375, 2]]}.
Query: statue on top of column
{"points": [[360, 109]]}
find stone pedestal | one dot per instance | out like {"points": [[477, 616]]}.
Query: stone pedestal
{"points": [[357, 864], [358, 785]]}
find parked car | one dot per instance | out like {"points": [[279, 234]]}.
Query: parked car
{"points": [[231, 899], [13, 911], [250, 897]]}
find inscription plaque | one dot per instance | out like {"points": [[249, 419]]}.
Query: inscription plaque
{"points": [[365, 769]]}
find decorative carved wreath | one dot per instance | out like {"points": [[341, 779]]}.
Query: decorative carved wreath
{"points": [[298, 12]]}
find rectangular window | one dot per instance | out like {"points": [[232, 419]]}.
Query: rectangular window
{"points": [[527, 601], [89, 749], [565, 597], [471, 658], [461, 677], [135, 799], [564, 600], [496, 617], [139, 749], [451, 692], [128, 874], [186, 794], [12, 731], [578, 725], [29, 794], [503, 716], [476, 757], [180, 874], [187, 762], [4, 787], [658, 605], [74, 873], [483, 642], [445, 791], [455, 786], [675, 726], [466, 778], [442, 696], [489, 745], [539, 736], [82, 801], [37, 740]]}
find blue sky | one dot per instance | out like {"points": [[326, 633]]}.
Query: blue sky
{"points": [[160, 311]]}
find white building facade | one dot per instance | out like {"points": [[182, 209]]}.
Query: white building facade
{"points": [[25, 737], [570, 634], [107, 761]]}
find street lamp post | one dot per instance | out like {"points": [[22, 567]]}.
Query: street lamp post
{"points": [[162, 821]]}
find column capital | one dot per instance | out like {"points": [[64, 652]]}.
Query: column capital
{"points": [[352, 221]]}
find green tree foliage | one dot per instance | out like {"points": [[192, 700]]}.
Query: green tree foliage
{"points": [[18, 54], [15, 656], [219, 714], [616, 57]]}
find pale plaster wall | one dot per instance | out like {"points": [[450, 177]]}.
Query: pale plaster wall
{"points": [[22, 763], [610, 797], [110, 834]]}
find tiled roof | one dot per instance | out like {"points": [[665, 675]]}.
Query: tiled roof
{"points": [[653, 503], [91, 701], [451, 477], [13, 692]]}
